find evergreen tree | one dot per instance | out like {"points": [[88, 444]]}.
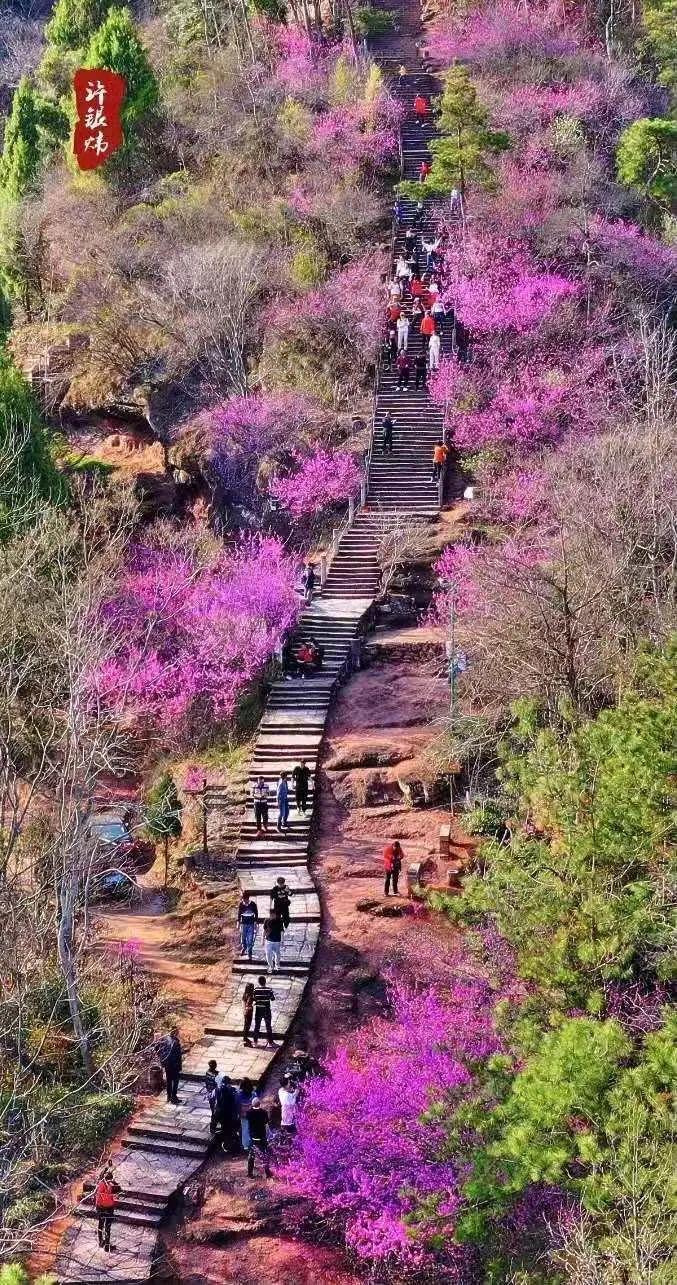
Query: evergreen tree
{"points": [[647, 159], [460, 154], [28, 477], [659, 18], [73, 22], [117, 46], [21, 154], [275, 10], [163, 814]]}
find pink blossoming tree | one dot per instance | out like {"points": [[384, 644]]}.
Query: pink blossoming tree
{"points": [[319, 480], [192, 629]]}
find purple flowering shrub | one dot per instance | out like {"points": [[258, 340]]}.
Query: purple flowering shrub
{"points": [[318, 480], [370, 1154]]}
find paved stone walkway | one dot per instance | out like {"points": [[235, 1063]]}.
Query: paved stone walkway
{"points": [[165, 1145]]}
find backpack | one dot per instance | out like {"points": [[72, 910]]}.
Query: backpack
{"points": [[104, 1196]]}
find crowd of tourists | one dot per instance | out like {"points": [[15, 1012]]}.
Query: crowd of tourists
{"points": [[264, 795]]}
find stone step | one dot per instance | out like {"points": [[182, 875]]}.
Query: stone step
{"points": [[175, 1147]]}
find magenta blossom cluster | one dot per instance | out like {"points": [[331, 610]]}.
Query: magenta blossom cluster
{"points": [[348, 302], [242, 431], [318, 480], [189, 634], [368, 1154], [504, 31], [494, 284]]}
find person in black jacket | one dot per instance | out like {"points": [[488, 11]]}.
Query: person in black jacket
{"points": [[301, 778], [172, 1060], [280, 901]]}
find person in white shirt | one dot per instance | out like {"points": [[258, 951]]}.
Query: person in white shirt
{"points": [[288, 1097], [434, 352], [402, 270], [402, 334]]}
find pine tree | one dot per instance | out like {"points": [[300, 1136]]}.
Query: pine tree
{"points": [[163, 813], [73, 22], [21, 154], [460, 154], [28, 477], [117, 46], [647, 159]]}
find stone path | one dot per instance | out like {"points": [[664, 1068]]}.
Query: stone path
{"points": [[165, 1145]]}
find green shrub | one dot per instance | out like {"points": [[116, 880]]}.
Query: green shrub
{"points": [[29, 1209], [488, 818], [374, 22]]}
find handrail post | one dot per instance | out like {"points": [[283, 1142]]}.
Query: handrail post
{"points": [[323, 569], [351, 510], [363, 491]]}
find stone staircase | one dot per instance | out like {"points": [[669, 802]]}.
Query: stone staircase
{"points": [[165, 1145]]}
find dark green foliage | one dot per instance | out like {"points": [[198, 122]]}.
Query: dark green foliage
{"points": [[73, 22], [276, 10], [118, 47], [460, 155], [373, 22], [163, 813], [583, 898], [659, 18], [647, 159], [21, 153], [28, 477]]}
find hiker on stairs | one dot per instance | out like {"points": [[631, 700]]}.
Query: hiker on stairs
{"points": [[263, 997], [427, 325], [171, 1058], [104, 1203], [388, 427], [283, 803], [421, 109], [308, 583], [420, 370], [247, 918], [434, 348], [403, 368], [273, 929], [403, 334], [440, 452], [261, 797], [301, 778], [280, 900]]}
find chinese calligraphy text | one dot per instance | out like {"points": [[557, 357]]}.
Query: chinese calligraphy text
{"points": [[98, 132]]}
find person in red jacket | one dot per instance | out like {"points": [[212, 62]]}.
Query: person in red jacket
{"points": [[104, 1203], [424, 171], [427, 326], [392, 862], [420, 109]]}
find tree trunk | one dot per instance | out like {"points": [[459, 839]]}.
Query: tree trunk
{"points": [[67, 898]]}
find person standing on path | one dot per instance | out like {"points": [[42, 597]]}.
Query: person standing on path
{"points": [[247, 918], [245, 1097], [104, 1203], [308, 583], [273, 929], [171, 1057], [301, 779], [427, 325], [420, 369], [280, 900], [402, 334], [434, 348], [228, 1113], [388, 426], [258, 1121], [211, 1083], [282, 795], [261, 797], [248, 1013], [403, 368], [420, 109], [263, 997], [440, 452], [288, 1097], [392, 862]]}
